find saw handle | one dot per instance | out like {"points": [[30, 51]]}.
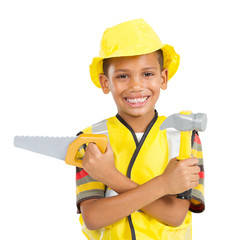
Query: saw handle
{"points": [[99, 139]]}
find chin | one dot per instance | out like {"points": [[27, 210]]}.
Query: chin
{"points": [[139, 112]]}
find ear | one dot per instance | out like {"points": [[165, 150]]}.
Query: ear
{"points": [[104, 83], [164, 76]]}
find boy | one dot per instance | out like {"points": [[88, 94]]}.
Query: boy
{"points": [[129, 192]]}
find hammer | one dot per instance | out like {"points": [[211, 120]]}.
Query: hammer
{"points": [[185, 122]]}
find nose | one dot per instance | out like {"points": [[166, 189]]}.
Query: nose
{"points": [[136, 83]]}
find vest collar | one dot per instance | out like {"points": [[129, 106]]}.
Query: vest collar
{"points": [[138, 144], [132, 131]]}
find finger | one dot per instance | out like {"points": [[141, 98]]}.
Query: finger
{"points": [[91, 149], [195, 169], [194, 177], [194, 184], [89, 146], [191, 161]]}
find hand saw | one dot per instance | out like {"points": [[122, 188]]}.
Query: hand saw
{"points": [[64, 148]]}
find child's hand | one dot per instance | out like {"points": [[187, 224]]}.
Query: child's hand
{"points": [[100, 166], [180, 176]]}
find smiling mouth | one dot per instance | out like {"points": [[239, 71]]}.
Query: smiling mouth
{"points": [[137, 102]]}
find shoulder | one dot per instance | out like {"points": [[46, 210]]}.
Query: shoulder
{"points": [[98, 127], [159, 121], [161, 118]]}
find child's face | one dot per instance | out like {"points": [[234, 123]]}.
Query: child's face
{"points": [[135, 84]]}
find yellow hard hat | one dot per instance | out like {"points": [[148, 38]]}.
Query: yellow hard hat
{"points": [[132, 38]]}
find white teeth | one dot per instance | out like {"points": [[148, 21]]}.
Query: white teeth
{"points": [[136, 100]]}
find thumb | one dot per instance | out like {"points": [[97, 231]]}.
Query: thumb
{"points": [[108, 147]]}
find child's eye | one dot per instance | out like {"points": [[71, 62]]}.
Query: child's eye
{"points": [[148, 74], [123, 76]]}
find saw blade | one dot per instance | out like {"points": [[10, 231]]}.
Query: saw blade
{"points": [[51, 146]]}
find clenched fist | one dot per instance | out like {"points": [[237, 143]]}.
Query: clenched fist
{"points": [[180, 176]]}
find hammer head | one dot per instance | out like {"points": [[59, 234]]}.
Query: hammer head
{"points": [[182, 122]]}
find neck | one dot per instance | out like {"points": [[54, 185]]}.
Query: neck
{"points": [[138, 123]]}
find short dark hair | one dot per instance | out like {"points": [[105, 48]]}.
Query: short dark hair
{"points": [[160, 58], [159, 53]]}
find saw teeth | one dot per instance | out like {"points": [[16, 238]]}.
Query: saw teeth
{"points": [[50, 146]]}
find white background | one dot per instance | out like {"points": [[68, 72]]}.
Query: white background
{"points": [[45, 51]]}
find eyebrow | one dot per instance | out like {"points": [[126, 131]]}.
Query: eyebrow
{"points": [[127, 70], [121, 70], [149, 68]]}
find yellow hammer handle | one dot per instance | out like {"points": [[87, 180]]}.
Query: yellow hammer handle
{"points": [[185, 152], [99, 139], [185, 141], [185, 145]]}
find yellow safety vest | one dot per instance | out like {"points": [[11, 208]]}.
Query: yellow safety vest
{"points": [[140, 162]]}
